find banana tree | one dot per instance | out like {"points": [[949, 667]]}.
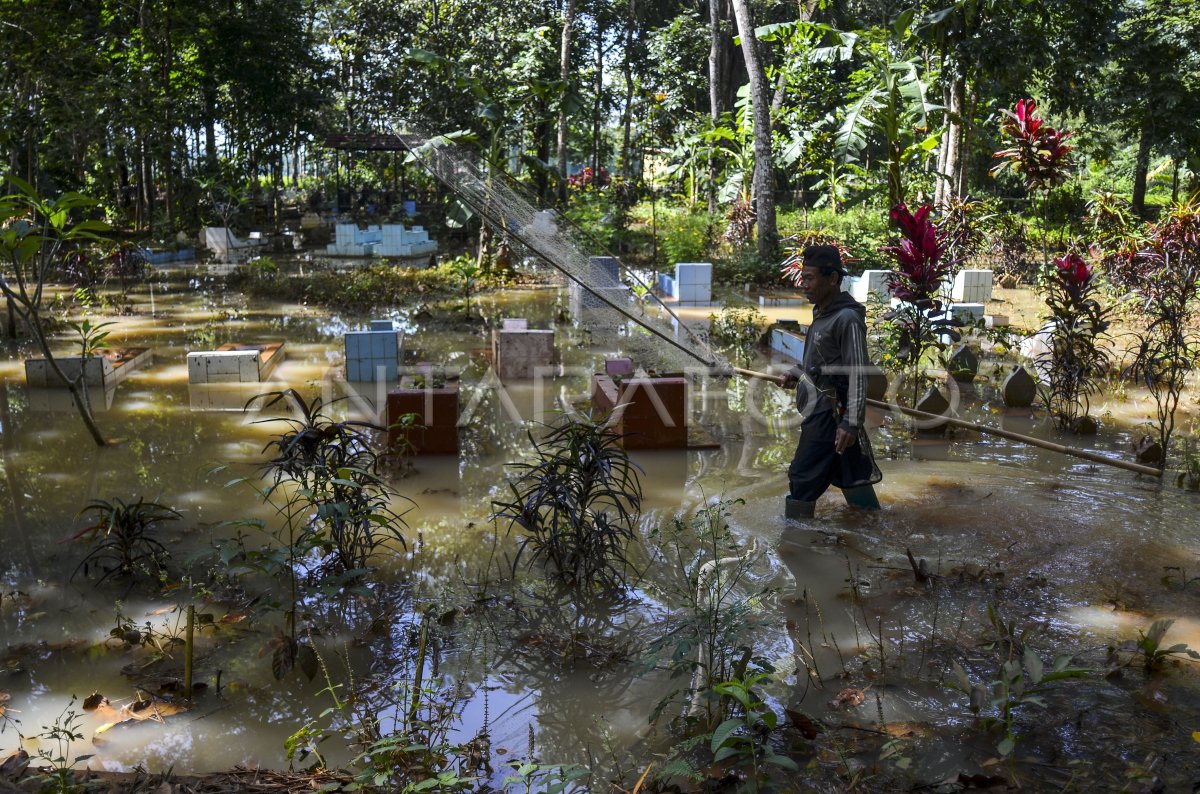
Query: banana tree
{"points": [[891, 107], [36, 234]]}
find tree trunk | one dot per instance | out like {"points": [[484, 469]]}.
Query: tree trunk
{"points": [[968, 100], [764, 168], [627, 113], [1141, 170], [598, 107], [950, 166], [939, 178], [715, 105], [564, 75]]}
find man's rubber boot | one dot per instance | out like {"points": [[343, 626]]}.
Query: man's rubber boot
{"points": [[862, 497], [798, 509]]}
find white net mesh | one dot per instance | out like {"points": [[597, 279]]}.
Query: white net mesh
{"points": [[617, 305]]}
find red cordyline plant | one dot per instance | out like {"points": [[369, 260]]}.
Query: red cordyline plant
{"points": [[1038, 152], [921, 269], [1169, 285], [1077, 359]]}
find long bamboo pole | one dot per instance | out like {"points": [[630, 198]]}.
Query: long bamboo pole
{"points": [[1095, 457]]}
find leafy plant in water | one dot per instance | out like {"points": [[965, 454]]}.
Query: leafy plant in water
{"points": [[122, 537], [577, 504], [1189, 477], [530, 777], [468, 272], [738, 328], [1077, 359], [1021, 682], [744, 740], [1169, 290], [36, 234], [703, 570], [335, 469], [916, 281], [63, 733], [421, 710], [1153, 652]]}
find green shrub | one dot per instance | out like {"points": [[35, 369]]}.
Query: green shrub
{"points": [[685, 236]]}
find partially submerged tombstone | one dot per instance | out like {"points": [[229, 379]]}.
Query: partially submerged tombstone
{"points": [[519, 351]]}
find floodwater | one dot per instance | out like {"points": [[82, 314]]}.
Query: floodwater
{"points": [[1058, 554]]}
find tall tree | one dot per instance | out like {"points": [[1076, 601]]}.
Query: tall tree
{"points": [[564, 76], [764, 163]]}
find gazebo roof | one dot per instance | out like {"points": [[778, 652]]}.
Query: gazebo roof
{"points": [[364, 141]]}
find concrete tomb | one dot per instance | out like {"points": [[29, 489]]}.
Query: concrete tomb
{"points": [[972, 286], [871, 282], [519, 352], [422, 414], [235, 363], [374, 354], [649, 413], [106, 367], [227, 247]]}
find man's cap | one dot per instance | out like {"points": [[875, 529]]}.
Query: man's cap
{"points": [[824, 256]]}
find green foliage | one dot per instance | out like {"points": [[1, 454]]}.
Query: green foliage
{"points": [[684, 236], [63, 733], [738, 328], [334, 468], [1020, 683], [121, 536], [706, 576], [36, 236], [744, 740], [1154, 653], [467, 270], [530, 777], [1189, 476], [576, 503], [361, 290]]}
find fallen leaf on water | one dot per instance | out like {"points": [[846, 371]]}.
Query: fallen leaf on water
{"points": [[803, 723], [901, 730], [139, 710], [848, 698]]}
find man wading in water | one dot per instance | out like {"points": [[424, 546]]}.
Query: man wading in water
{"points": [[831, 393]]}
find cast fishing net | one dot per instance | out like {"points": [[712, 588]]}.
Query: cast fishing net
{"points": [[616, 304]]}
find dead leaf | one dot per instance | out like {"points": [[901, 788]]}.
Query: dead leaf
{"points": [[848, 698], [803, 723], [94, 701], [154, 709], [14, 766], [905, 730]]}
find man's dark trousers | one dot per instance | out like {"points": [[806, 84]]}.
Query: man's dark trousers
{"points": [[816, 464]]}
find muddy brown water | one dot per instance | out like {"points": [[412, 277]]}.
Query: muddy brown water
{"points": [[1072, 554]]}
